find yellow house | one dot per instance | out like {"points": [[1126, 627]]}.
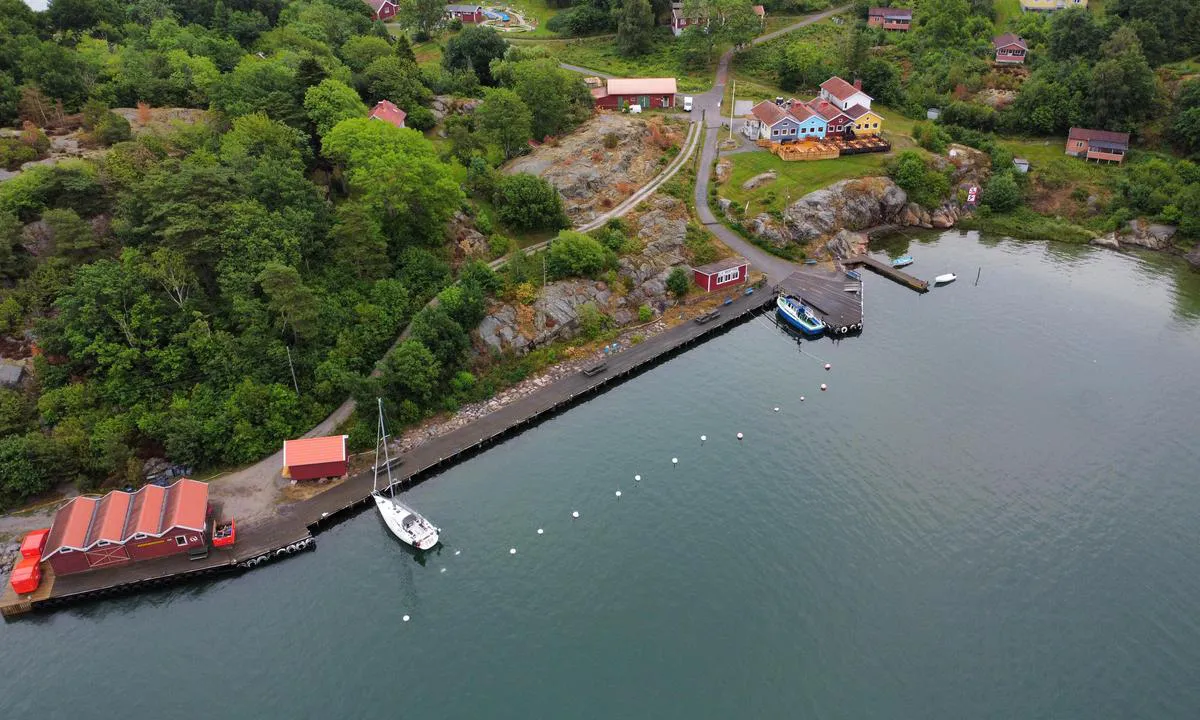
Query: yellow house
{"points": [[866, 122], [1051, 5]]}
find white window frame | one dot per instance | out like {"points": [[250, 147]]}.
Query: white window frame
{"points": [[182, 538], [725, 276]]}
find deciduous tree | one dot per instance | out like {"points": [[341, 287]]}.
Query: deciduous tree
{"points": [[505, 120]]}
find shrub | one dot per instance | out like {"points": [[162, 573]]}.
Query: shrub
{"points": [[591, 321], [112, 129], [700, 245], [528, 202], [574, 254], [420, 119], [483, 224], [14, 152], [611, 140], [1002, 193], [931, 137], [499, 245], [679, 283], [645, 314], [924, 185]]}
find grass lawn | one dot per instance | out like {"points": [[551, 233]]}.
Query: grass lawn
{"points": [[601, 54], [795, 178], [533, 10], [1005, 11]]}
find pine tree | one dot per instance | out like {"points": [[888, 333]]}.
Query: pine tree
{"points": [[403, 48], [635, 27]]}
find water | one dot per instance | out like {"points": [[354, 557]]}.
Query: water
{"points": [[990, 514]]}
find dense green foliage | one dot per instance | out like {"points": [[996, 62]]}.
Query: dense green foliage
{"points": [[528, 202], [574, 254]]}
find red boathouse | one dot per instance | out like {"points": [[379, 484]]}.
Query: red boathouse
{"points": [[315, 458], [722, 273], [122, 527]]}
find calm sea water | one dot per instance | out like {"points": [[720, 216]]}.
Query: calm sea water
{"points": [[990, 514]]}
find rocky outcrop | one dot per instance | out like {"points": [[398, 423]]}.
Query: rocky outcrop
{"points": [[760, 180], [847, 243], [1193, 257], [555, 314], [855, 204], [1138, 233], [724, 167], [468, 241]]}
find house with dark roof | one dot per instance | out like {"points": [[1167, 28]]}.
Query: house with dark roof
{"points": [[1010, 49], [784, 121], [890, 18], [388, 112], [843, 94], [1098, 145], [383, 10], [90, 533]]}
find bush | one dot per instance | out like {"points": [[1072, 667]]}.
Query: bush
{"points": [[1002, 193], [420, 119], [574, 254], [483, 224], [14, 152], [611, 140], [700, 245], [499, 245], [528, 202], [679, 283], [645, 314], [924, 185], [591, 321], [112, 129], [931, 137]]}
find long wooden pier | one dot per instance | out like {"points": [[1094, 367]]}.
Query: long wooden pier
{"points": [[292, 529], [888, 272]]}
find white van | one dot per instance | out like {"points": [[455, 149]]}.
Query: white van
{"points": [[687, 103]]}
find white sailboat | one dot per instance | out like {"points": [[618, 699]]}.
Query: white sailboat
{"points": [[404, 522]]}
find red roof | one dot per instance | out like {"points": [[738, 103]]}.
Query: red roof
{"points": [[33, 543], [854, 112], [1008, 39], [767, 112], [727, 264], [826, 109], [839, 88], [118, 516], [386, 110], [314, 451], [891, 12], [1101, 135]]}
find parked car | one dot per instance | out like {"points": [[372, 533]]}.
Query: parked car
{"points": [[687, 103]]}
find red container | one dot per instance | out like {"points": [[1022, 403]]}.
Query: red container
{"points": [[31, 546], [26, 576]]}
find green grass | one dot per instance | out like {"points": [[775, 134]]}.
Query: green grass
{"points": [[533, 10], [1005, 11], [796, 178], [663, 61], [1025, 224]]}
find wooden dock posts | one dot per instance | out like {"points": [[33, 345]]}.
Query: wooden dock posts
{"points": [[888, 272]]}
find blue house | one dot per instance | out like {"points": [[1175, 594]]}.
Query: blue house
{"points": [[784, 121]]}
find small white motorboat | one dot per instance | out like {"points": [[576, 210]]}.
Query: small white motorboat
{"points": [[944, 279]]}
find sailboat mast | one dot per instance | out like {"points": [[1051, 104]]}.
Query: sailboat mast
{"points": [[381, 440]]}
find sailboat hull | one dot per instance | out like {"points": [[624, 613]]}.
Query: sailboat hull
{"points": [[417, 531]]}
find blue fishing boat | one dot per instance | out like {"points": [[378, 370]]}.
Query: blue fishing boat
{"points": [[796, 314], [903, 261]]}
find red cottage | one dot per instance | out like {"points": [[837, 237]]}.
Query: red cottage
{"points": [[620, 93], [387, 111], [465, 13], [1097, 144], [1010, 49], [722, 273], [890, 18], [315, 458], [126, 527], [383, 10]]}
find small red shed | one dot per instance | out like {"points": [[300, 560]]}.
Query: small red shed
{"points": [[722, 273], [315, 458], [382, 10], [26, 576], [122, 527], [31, 546], [466, 13]]}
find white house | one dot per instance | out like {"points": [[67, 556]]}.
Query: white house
{"points": [[843, 94]]}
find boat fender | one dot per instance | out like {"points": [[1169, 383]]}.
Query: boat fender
{"points": [[843, 330]]}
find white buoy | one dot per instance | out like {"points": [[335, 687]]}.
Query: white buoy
{"points": [[776, 409], [540, 531], [801, 398], [703, 438], [512, 551], [824, 387], [618, 494], [458, 552], [637, 478], [674, 462], [828, 366], [740, 436], [405, 618], [575, 514], [443, 569]]}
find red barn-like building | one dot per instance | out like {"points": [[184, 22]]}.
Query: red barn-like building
{"points": [[121, 527], [315, 458], [382, 9], [722, 273], [620, 93], [465, 13]]}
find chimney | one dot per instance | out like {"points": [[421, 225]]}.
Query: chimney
{"points": [[857, 84]]}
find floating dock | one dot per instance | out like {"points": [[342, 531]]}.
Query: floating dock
{"points": [[888, 272], [292, 530], [833, 296]]}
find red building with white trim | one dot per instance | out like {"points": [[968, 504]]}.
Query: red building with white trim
{"points": [[465, 13], [121, 527], [383, 10], [315, 458], [1010, 49], [722, 274], [890, 18], [620, 93]]}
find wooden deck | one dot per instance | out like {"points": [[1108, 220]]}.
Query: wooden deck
{"points": [[888, 272], [833, 296]]}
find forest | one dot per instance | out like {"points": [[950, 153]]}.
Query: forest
{"points": [[206, 290]]}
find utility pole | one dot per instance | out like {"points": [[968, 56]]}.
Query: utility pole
{"points": [[293, 369]]}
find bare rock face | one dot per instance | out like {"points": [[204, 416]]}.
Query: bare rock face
{"points": [[468, 241], [944, 216], [856, 204], [723, 204], [760, 180], [1148, 235], [847, 243], [1108, 240], [1193, 257], [724, 167], [971, 166]]}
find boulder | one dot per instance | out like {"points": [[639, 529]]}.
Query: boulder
{"points": [[723, 204], [1193, 257], [723, 169], [469, 241], [944, 217], [1148, 235], [1109, 241], [856, 204], [760, 180], [847, 243]]}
